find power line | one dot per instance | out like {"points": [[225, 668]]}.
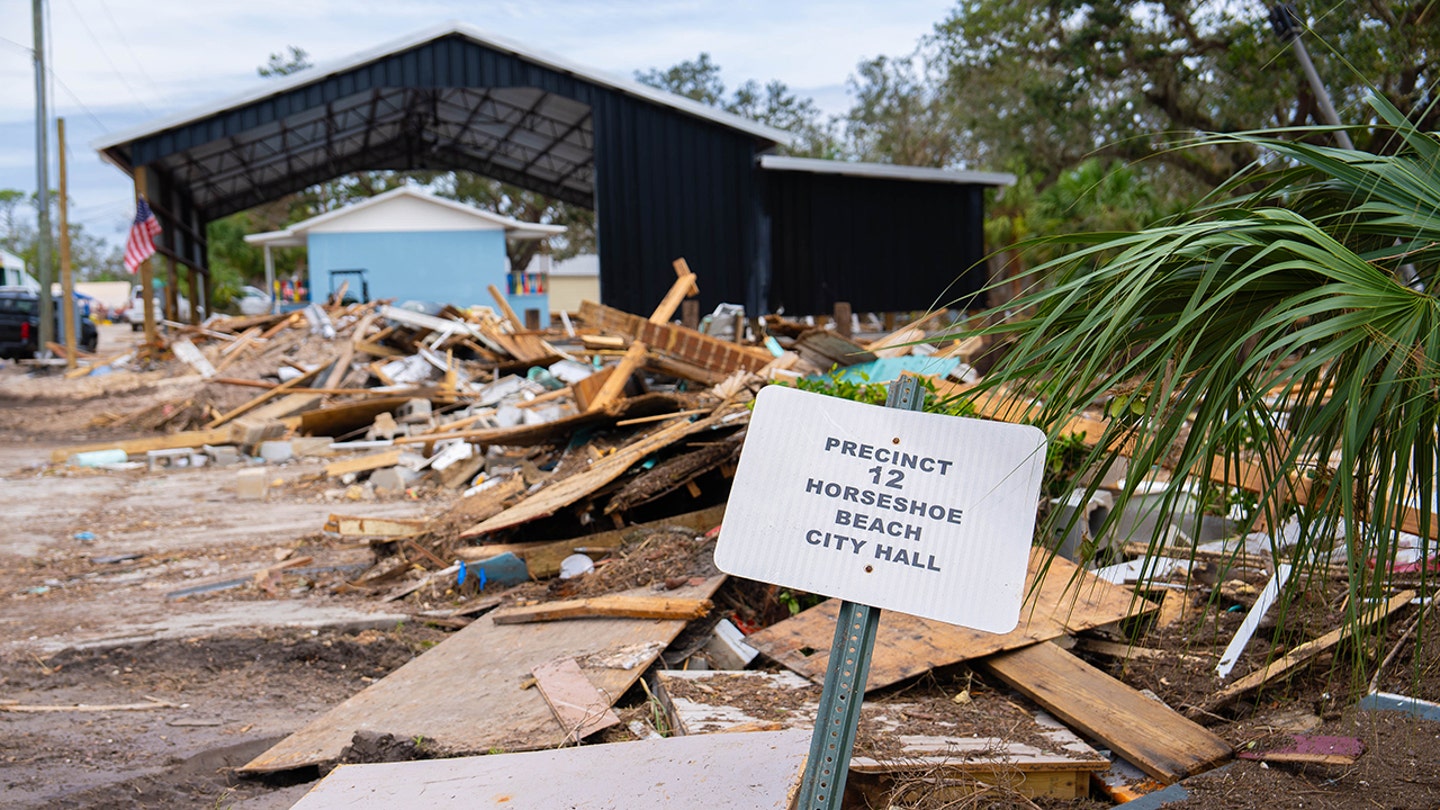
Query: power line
{"points": [[120, 34], [108, 60]]}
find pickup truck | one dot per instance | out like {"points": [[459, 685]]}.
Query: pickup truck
{"points": [[20, 324]]}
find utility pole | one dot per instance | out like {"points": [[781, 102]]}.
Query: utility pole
{"points": [[42, 174], [67, 279], [1285, 21]]}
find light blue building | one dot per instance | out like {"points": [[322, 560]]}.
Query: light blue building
{"points": [[410, 245]]}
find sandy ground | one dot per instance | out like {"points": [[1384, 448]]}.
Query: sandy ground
{"points": [[94, 566]]}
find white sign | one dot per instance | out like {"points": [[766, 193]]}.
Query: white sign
{"points": [[902, 510]]}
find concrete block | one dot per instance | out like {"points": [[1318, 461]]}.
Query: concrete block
{"points": [[163, 459], [275, 452], [413, 412], [393, 480], [222, 455], [252, 484], [312, 446]]}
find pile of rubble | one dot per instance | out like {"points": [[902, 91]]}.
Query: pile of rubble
{"points": [[591, 464]]}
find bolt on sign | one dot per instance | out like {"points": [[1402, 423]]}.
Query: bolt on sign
{"points": [[921, 513]]}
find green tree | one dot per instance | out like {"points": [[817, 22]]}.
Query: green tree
{"points": [[1312, 274], [772, 104], [292, 60]]}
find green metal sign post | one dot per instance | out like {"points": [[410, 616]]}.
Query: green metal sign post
{"points": [[823, 785]]}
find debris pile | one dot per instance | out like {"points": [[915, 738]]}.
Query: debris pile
{"points": [[586, 469]]}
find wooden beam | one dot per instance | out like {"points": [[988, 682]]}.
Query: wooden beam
{"points": [[505, 309], [623, 607], [169, 441], [615, 383], [1155, 738], [1302, 654], [373, 461], [282, 388], [683, 288]]}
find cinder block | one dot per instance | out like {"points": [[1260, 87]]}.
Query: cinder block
{"points": [[413, 412], [252, 484]]}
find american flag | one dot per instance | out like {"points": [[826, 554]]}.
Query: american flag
{"points": [[140, 244]]}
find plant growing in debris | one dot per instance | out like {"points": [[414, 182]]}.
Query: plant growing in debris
{"points": [[837, 384], [1290, 323]]}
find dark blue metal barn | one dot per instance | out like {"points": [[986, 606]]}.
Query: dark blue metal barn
{"points": [[667, 177]]}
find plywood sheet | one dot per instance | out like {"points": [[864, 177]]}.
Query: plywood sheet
{"points": [[1067, 601], [1157, 739], [469, 693], [557, 496], [755, 771]]}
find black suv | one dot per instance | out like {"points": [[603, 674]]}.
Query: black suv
{"points": [[20, 324]]}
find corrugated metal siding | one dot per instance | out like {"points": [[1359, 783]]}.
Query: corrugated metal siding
{"points": [[883, 245]]}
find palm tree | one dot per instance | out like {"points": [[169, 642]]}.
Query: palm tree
{"points": [[1284, 335]]}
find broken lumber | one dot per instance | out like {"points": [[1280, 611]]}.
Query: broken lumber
{"points": [[577, 704], [628, 607], [282, 388], [678, 342], [171, 441], [683, 288], [615, 382], [560, 495], [1157, 739], [347, 526], [464, 693], [1067, 600], [373, 461], [1302, 654]]}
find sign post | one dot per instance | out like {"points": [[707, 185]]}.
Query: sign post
{"points": [[885, 508]]}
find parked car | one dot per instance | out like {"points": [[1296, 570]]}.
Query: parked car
{"points": [[135, 310], [254, 301], [20, 324]]}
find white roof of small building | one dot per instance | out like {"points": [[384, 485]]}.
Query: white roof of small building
{"points": [[407, 209], [885, 171]]}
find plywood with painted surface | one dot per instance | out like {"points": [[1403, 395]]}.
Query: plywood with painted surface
{"points": [[989, 737], [468, 693], [757, 771], [906, 646], [1157, 739]]}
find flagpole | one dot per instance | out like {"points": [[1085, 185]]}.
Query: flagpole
{"points": [[147, 277]]}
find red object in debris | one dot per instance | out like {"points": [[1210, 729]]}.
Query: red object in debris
{"points": [[743, 626]]}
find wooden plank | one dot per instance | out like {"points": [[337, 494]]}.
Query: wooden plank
{"points": [[1067, 601], [505, 309], [580, 709], [1302, 654], [1157, 739], [716, 701], [630, 607], [467, 694], [169, 441], [372, 461], [615, 383], [282, 388], [543, 559], [683, 288], [756, 771], [347, 526], [563, 493]]}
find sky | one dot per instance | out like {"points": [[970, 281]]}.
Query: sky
{"points": [[118, 64]]}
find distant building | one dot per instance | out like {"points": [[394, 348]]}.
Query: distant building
{"points": [[410, 245], [571, 280]]}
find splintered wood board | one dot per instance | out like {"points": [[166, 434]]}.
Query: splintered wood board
{"points": [[790, 701], [1155, 738], [579, 707], [468, 694], [553, 498], [754, 771], [906, 646]]}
